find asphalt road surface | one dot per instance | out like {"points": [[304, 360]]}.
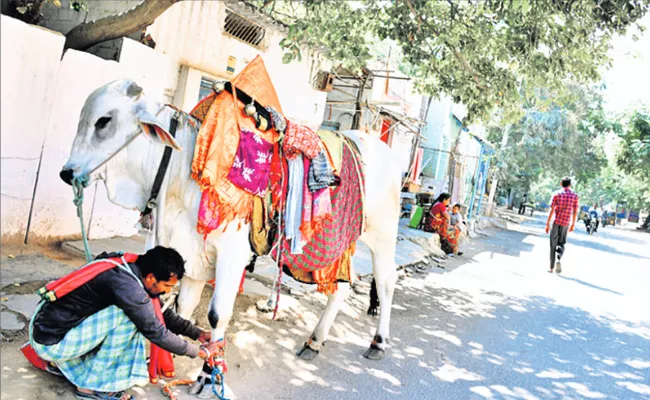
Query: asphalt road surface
{"points": [[494, 325]]}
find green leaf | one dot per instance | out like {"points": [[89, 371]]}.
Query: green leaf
{"points": [[287, 58]]}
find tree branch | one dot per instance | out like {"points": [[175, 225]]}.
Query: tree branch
{"points": [[88, 34], [459, 56]]}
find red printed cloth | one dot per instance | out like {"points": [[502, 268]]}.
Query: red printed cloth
{"points": [[300, 139], [564, 203], [338, 233], [251, 167]]}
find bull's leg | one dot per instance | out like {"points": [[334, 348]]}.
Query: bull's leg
{"points": [[233, 254], [189, 297], [312, 347], [385, 273]]}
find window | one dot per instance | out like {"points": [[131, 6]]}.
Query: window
{"points": [[206, 88], [243, 29]]}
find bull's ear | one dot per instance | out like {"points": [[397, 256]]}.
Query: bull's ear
{"points": [[155, 131]]}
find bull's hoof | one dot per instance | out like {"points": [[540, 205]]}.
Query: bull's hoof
{"points": [[202, 388], [307, 353], [374, 353]]}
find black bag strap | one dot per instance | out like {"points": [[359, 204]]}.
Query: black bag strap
{"points": [[263, 117], [162, 168]]}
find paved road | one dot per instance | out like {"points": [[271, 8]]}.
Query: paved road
{"points": [[495, 326]]}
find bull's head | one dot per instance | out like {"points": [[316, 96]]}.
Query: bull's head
{"points": [[110, 125]]}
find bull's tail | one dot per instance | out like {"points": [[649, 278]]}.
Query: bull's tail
{"points": [[374, 299]]}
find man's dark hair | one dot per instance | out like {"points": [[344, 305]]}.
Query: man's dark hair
{"points": [[566, 182], [457, 205], [162, 262]]}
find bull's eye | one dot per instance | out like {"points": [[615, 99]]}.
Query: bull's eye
{"points": [[102, 122]]}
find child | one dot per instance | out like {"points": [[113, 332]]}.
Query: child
{"points": [[456, 218]]}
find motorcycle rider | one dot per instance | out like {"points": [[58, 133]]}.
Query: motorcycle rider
{"points": [[593, 213]]}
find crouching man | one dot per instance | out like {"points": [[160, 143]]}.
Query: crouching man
{"points": [[95, 335]]}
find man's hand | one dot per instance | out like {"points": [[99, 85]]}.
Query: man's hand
{"points": [[209, 350], [573, 226], [204, 337], [547, 227]]}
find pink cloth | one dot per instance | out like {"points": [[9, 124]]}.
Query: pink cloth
{"points": [[316, 208], [307, 199], [208, 214], [321, 207], [252, 164]]}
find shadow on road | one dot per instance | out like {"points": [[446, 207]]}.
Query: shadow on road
{"points": [[449, 344], [596, 245], [590, 285]]}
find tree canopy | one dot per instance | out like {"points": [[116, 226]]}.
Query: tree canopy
{"points": [[553, 140], [481, 53]]}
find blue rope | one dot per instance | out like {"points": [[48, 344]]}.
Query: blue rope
{"points": [[78, 186], [216, 372]]}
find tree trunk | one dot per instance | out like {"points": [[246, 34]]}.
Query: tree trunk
{"points": [[495, 179], [511, 197], [88, 34], [493, 192]]}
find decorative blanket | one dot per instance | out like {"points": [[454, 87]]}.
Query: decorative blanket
{"points": [[325, 259], [236, 164], [217, 142]]}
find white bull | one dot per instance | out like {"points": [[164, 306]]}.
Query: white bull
{"points": [[113, 116]]}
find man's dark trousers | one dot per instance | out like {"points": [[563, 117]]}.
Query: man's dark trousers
{"points": [[558, 240]]}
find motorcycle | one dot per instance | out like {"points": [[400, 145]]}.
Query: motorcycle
{"points": [[591, 223]]}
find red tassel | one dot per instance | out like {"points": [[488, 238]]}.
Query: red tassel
{"points": [[241, 284]]}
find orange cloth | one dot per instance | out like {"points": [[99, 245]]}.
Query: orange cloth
{"points": [[327, 278], [217, 142]]}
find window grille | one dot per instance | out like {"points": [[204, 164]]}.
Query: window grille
{"points": [[243, 29]]}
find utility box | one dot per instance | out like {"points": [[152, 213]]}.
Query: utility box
{"points": [[324, 81]]}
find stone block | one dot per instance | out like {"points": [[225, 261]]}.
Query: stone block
{"points": [[24, 304], [98, 246], [10, 322], [31, 268]]}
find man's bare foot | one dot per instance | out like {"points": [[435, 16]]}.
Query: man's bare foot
{"points": [[53, 369]]}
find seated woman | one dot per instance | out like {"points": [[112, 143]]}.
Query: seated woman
{"points": [[438, 222]]}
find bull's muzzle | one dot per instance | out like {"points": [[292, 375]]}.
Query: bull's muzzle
{"points": [[66, 175]]}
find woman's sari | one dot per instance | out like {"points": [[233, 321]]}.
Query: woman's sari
{"points": [[437, 223]]}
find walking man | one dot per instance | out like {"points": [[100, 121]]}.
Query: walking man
{"points": [[565, 207]]}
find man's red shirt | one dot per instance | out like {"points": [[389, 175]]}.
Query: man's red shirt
{"points": [[564, 202]]}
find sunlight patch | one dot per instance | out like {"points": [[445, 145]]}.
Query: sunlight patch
{"points": [[482, 391], [445, 336], [450, 373], [554, 374], [638, 364], [384, 375], [584, 391], [414, 351], [245, 338], [635, 387]]}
